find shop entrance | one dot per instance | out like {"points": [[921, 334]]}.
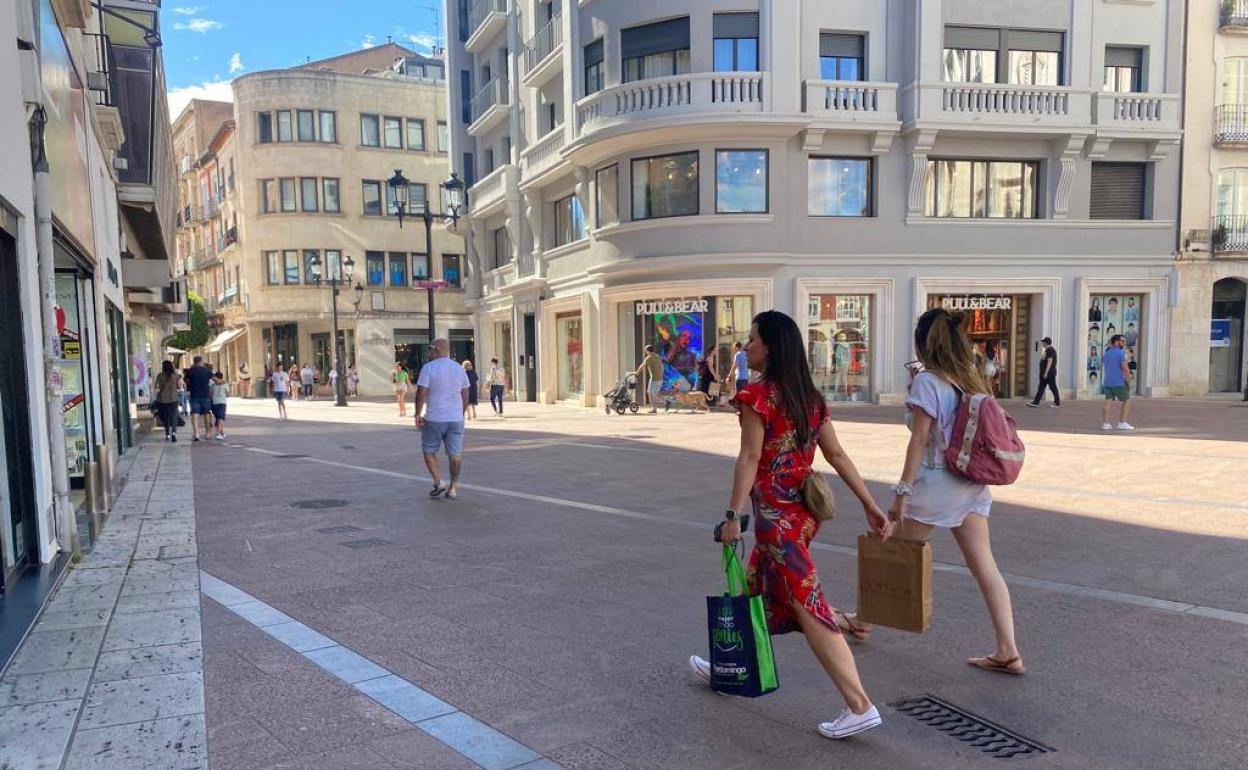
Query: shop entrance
{"points": [[18, 533], [1226, 336], [285, 345], [999, 327], [528, 357]]}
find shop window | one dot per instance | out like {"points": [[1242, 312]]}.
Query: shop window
{"points": [[841, 56], [665, 186], [839, 187], [571, 355], [1118, 190], [398, 269], [290, 266], [981, 189], [733, 318], [607, 196], [451, 272], [741, 181], [1109, 315], [838, 333], [569, 221], [375, 268]]}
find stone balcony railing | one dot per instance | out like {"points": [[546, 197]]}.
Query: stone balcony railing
{"points": [[969, 104], [1136, 110], [671, 97], [851, 101], [543, 153], [492, 187]]}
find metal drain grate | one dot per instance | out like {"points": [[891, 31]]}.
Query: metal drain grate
{"points": [[988, 737], [339, 530], [317, 505], [372, 542]]}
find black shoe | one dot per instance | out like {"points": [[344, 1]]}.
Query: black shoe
{"points": [[1033, 404], [174, 438]]}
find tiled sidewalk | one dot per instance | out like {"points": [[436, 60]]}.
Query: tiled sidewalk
{"points": [[111, 677]]}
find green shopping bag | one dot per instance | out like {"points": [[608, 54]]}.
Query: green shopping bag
{"points": [[742, 662]]}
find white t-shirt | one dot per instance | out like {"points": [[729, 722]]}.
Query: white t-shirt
{"points": [[445, 379], [306, 375], [280, 381]]}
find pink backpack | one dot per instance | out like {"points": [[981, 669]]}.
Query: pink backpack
{"points": [[985, 447]]}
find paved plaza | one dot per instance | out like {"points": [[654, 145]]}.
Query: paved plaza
{"points": [[305, 606]]}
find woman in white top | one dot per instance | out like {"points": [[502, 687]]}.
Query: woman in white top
{"points": [[929, 494]]}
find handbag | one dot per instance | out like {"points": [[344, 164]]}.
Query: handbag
{"points": [[895, 582], [742, 661], [817, 495], [713, 390]]}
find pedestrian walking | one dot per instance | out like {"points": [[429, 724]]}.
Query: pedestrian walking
{"points": [[1048, 376], [184, 398], [442, 392], [220, 395], [783, 420], [281, 383], [930, 495], [991, 365], [474, 389], [740, 372], [199, 386], [1116, 383], [652, 367], [333, 381], [400, 380], [708, 378], [496, 378], [296, 382], [307, 376], [353, 382], [169, 389]]}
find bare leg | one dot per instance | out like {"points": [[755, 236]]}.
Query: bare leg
{"points": [[1126, 410], [431, 462], [976, 545], [1105, 410], [457, 464], [835, 657], [402, 404]]}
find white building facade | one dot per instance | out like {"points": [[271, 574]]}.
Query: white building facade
{"points": [[657, 173]]}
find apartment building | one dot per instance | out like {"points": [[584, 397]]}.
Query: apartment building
{"points": [[292, 187], [656, 173], [1208, 330]]}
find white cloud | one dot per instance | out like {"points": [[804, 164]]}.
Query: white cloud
{"points": [[187, 10], [199, 25], [217, 90], [422, 40], [236, 64], [368, 42]]}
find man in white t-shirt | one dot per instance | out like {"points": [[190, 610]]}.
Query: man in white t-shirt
{"points": [[281, 383], [442, 392]]}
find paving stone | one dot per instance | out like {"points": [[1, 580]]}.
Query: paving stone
{"points": [[221, 591], [49, 686], [33, 737], [298, 637], [57, 651], [80, 576], [145, 698], [149, 661], [324, 726], [172, 600], [240, 743], [149, 629], [404, 698], [159, 584], [179, 743], [260, 614], [345, 664], [61, 620], [85, 597], [416, 750], [582, 756], [478, 741]]}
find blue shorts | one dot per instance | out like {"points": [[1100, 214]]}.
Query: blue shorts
{"points": [[280, 395], [218, 411], [435, 434], [201, 406]]}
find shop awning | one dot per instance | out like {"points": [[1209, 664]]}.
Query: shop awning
{"points": [[224, 338], [172, 351]]}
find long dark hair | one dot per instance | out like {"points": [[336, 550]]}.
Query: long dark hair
{"points": [[945, 350], [166, 367], [788, 370]]}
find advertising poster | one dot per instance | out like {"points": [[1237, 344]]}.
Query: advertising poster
{"points": [[1110, 314], [678, 341]]}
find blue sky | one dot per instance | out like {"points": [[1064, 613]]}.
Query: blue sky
{"points": [[207, 44]]}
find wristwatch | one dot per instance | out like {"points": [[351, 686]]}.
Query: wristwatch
{"points": [[730, 514], [902, 489]]}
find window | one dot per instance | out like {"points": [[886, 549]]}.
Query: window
{"points": [[305, 121], [333, 263], [272, 269], [569, 220], [375, 268], [444, 137], [415, 134], [593, 67], [264, 127], [450, 270], [470, 170], [970, 55], [842, 56], [229, 180], [372, 198], [420, 267], [740, 181], [329, 196], [370, 131], [268, 196], [1033, 68], [1123, 67], [287, 187], [417, 198], [394, 133], [489, 160], [665, 186], [977, 188], [465, 96], [607, 196], [398, 269], [501, 241], [290, 264], [329, 127], [838, 187], [1118, 190], [309, 272], [283, 126], [1235, 81], [1020, 57], [307, 194], [735, 44], [655, 50], [552, 117]]}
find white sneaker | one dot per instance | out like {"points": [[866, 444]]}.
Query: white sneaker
{"points": [[701, 667], [1106, 426], [1125, 426], [219, 437], [849, 723]]}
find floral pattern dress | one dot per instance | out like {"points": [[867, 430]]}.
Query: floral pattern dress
{"points": [[780, 568]]}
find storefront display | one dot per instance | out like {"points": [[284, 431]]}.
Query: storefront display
{"points": [[72, 368], [838, 345], [1108, 315], [571, 355], [998, 326], [681, 331]]}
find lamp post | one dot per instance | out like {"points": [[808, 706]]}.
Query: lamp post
{"points": [[453, 199], [335, 282]]}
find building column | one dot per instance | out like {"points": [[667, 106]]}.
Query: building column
{"points": [[255, 358]]}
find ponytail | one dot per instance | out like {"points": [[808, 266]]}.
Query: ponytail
{"points": [[945, 350]]}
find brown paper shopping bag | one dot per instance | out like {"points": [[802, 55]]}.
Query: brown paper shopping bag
{"points": [[895, 582]]}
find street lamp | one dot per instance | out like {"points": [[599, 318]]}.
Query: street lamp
{"points": [[453, 199], [335, 282]]}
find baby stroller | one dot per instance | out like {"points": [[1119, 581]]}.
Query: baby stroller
{"points": [[623, 396]]}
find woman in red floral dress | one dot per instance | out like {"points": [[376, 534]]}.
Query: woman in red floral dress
{"points": [[783, 420]]}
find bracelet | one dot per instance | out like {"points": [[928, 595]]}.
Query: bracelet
{"points": [[730, 515], [903, 489]]}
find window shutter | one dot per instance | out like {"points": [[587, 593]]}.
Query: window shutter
{"points": [[1020, 40], [1117, 191], [837, 44], [973, 38], [736, 25], [593, 53], [672, 35], [1124, 57]]}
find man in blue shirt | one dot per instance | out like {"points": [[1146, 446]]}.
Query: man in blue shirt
{"points": [[199, 385], [740, 369], [1115, 383]]}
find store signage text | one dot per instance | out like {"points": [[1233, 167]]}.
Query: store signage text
{"points": [[664, 307], [976, 303]]}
